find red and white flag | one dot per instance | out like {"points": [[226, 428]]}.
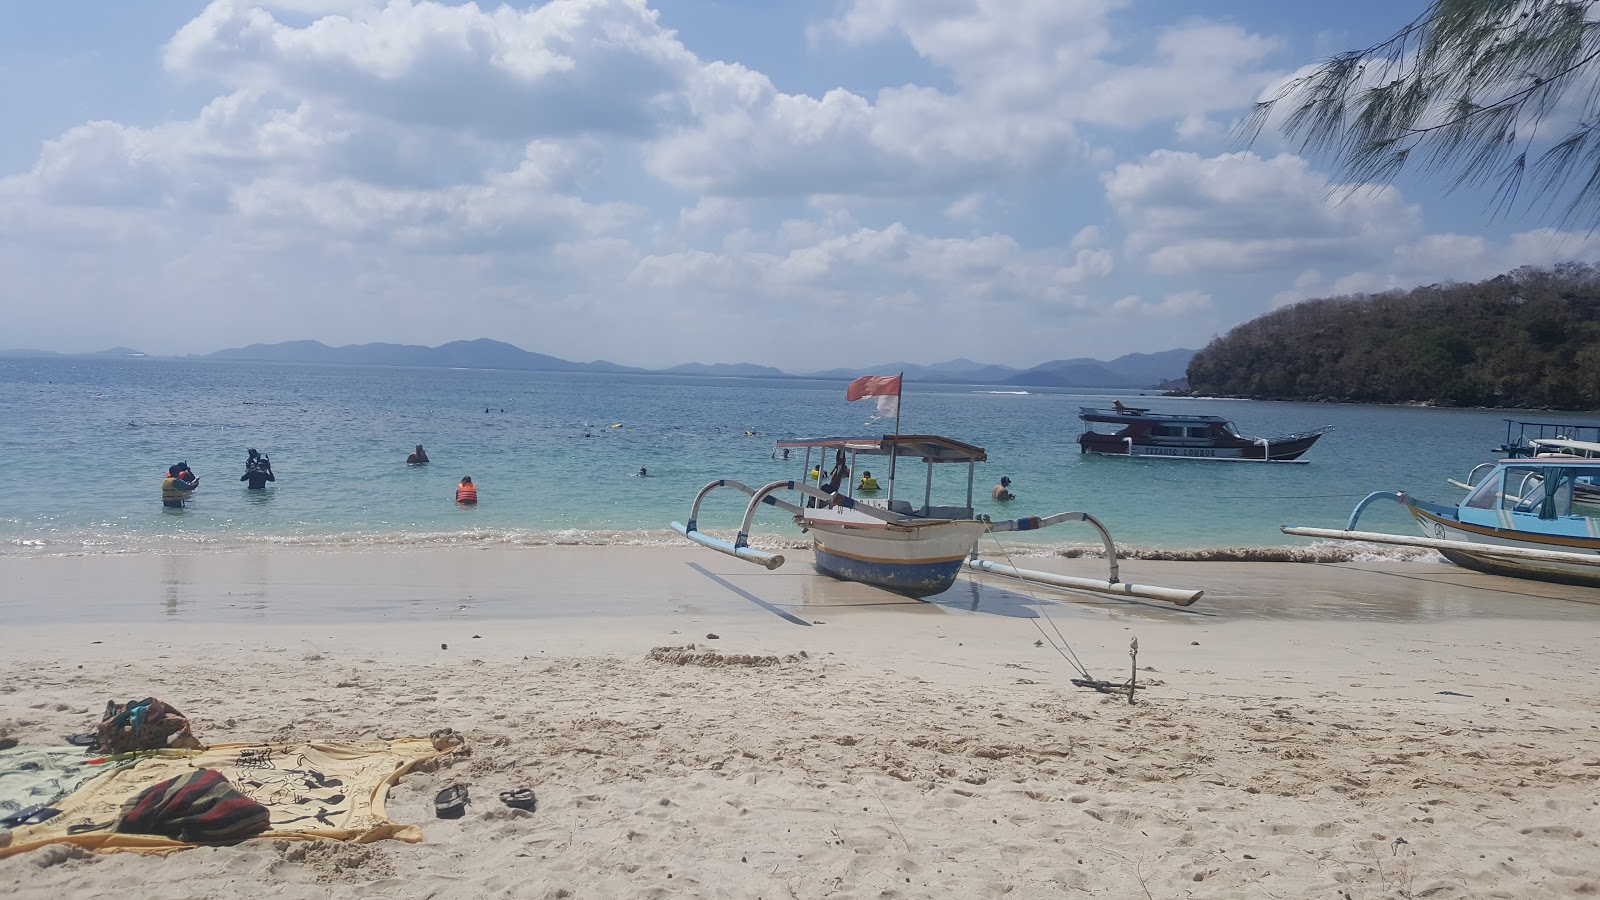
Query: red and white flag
{"points": [[885, 387]]}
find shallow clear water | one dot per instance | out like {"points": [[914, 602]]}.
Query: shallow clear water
{"points": [[88, 442]]}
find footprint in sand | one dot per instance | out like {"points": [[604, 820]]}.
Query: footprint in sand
{"points": [[1554, 831]]}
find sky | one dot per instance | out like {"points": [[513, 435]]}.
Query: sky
{"points": [[798, 183]]}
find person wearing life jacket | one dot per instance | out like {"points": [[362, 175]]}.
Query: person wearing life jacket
{"points": [[174, 490], [466, 491], [868, 485], [816, 473]]}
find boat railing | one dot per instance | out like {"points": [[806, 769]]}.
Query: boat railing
{"points": [[1520, 435], [1299, 435], [740, 546], [1472, 476]]}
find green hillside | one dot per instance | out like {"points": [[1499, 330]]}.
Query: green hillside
{"points": [[1530, 338]]}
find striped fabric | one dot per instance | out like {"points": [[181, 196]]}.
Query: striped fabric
{"points": [[200, 807]]}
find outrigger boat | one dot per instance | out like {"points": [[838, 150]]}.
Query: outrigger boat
{"points": [[1536, 517], [888, 543], [1533, 438], [1139, 432]]}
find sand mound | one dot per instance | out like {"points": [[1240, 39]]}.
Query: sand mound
{"points": [[690, 655]]}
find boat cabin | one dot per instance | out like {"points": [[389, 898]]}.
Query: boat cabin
{"points": [[900, 450], [1545, 487], [1159, 429]]}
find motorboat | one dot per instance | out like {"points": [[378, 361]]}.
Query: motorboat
{"points": [[1138, 432]]}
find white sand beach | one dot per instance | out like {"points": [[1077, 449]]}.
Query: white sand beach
{"points": [[1354, 730]]}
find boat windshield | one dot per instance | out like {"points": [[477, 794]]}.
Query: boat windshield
{"points": [[1550, 492]]}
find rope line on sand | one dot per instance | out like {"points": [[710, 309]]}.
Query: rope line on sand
{"points": [[1063, 648]]}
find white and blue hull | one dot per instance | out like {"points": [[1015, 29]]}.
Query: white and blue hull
{"points": [[918, 561], [1437, 524]]}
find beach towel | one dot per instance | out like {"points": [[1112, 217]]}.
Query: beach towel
{"points": [[40, 776], [311, 790]]}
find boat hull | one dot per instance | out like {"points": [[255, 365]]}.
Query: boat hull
{"points": [[1444, 528], [1109, 445], [917, 561]]}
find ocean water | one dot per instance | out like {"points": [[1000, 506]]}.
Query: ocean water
{"points": [[555, 457]]}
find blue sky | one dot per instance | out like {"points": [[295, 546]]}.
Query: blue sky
{"points": [[805, 184]]}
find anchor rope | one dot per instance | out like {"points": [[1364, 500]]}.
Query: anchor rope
{"points": [[1063, 647]]}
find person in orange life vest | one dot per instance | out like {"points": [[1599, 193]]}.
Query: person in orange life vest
{"points": [[466, 491], [174, 490]]}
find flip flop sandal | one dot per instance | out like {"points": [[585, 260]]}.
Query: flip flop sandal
{"points": [[29, 815], [451, 803], [82, 740], [521, 798]]}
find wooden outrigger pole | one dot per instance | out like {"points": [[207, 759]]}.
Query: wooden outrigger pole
{"points": [[1113, 585], [1378, 537]]}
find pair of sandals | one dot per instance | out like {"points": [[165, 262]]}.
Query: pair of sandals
{"points": [[451, 803]]}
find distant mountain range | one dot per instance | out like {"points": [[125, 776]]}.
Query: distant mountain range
{"points": [[1134, 370], [113, 353]]}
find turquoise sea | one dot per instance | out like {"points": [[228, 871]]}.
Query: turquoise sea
{"points": [[87, 443]]}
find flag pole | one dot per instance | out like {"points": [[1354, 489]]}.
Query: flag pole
{"points": [[894, 449]]}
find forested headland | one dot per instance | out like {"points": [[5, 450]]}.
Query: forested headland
{"points": [[1530, 338]]}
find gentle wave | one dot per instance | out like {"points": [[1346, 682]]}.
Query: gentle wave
{"points": [[96, 545], [1012, 393]]}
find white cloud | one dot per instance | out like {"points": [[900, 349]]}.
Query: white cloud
{"points": [[1238, 212], [966, 209], [1175, 304], [567, 66], [1437, 258]]}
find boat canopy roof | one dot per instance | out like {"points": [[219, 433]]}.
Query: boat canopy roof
{"points": [[1551, 460], [1588, 448], [1130, 415], [930, 447]]}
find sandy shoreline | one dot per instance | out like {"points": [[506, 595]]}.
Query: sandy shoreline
{"points": [[1294, 740]]}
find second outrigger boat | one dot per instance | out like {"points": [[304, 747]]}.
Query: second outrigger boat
{"points": [[1536, 517], [1136, 431], [888, 542]]}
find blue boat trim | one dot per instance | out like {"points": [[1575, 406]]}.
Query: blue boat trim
{"points": [[918, 579]]}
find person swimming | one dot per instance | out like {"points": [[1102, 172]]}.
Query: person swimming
{"points": [[643, 473], [418, 457], [1002, 491], [467, 492], [868, 485]]}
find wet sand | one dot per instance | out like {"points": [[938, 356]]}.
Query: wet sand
{"points": [[1393, 729]]}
